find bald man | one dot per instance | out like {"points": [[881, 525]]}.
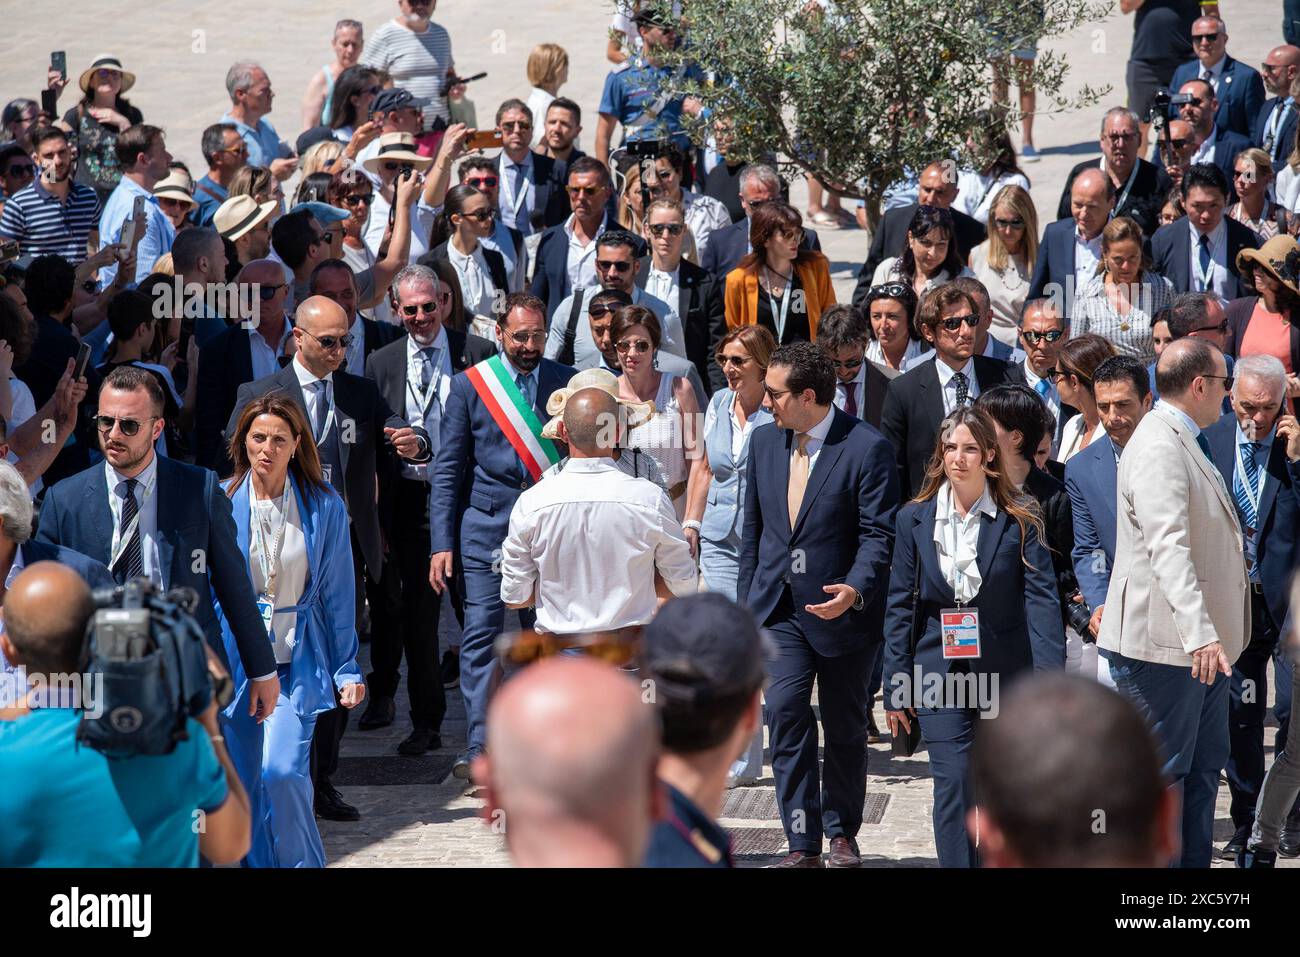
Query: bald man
{"points": [[567, 791], [1068, 254], [1275, 125], [937, 187], [240, 353], [548, 557], [358, 434]]}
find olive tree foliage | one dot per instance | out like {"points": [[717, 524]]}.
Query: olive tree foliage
{"points": [[858, 93]]}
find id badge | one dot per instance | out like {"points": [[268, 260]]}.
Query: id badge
{"points": [[266, 608], [960, 631], [327, 473]]}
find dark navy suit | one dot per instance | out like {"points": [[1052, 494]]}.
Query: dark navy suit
{"points": [[1090, 478], [1277, 559], [782, 569], [1284, 135], [95, 574], [1171, 250], [476, 479], [196, 545], [1055, 264], [1241, 93], [1020, 631]]}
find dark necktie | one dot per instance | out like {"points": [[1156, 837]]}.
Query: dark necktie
{"points": [[963, 389], [525, 383], [131, 563], [1206, 262], [321, 412], [1205, 446], [426, 367], [850, 397]]}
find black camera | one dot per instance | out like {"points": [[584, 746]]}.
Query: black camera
{"points": [[1162, 100], [1079, 615], [650, 148]]}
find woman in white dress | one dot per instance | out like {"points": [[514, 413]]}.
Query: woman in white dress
{"points": [[930, 257], [670, 437], [1004, 261], [1075, 365]]}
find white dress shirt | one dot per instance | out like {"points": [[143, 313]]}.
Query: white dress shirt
{"points": [[1051, 397], [146, 497], [475, 279], [1205, 152], [516, 192], [948, 385], [266, 361], [1218, 259], [583, 589], [876, 353], [1087, 253], [859, 386], [957, 541], [426, 408], [581, 263], [306, 380], [665, 286]]}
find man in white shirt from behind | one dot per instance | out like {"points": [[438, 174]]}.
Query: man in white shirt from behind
{"points": [[587, 545]]}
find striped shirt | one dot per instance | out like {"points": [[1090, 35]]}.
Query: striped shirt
{"points": [[1131, 334], [418, 63], [43, 225]]}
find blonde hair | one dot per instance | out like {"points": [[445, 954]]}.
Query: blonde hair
{"points": [[1262, 162], [320, 156], [545, 64], [163, 265], [1018, 200], [629, 220]]}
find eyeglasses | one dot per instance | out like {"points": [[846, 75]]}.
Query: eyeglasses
{"points": [[1220, 328], [358, 199], [129, 427], [888, 290], [1193, 100], [847, 363], [1179, 144], [394, 167], [428, 308], [1120, 137], [482, 182], [1249, 175], [372, 90], [104, 74], [171, 201], [240, 150], [604, 265], [583, 190], [1204, 38], [1001, 223], [329, 342], [520, 125], [953, 323], [1034, 337], [672, 229], [1269, 68], [775, 394], [638, 346], [736, 361], [791, 235], [267, 293], [523, 338], [482, 215], [1227, 381]]}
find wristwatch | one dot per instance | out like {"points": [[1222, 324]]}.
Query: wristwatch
{"points": [[858, 602]]}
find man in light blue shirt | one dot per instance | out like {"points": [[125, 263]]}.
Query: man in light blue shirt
{"points": [[250, 100], [142, 153]]}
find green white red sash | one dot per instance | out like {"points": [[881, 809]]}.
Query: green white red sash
{"points": [[513, 415]]}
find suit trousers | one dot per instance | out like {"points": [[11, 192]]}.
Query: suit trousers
{"points": [[418, 610], [485, 619], [1247, 704], [949, 734], [1190, 720], [831, 807], [1280, 792], [273, 762]]}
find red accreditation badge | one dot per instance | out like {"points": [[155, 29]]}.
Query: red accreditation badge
{"points": [[960, 632]]}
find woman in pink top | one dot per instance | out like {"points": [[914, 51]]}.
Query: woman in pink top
{"points": [[1267, 323]]}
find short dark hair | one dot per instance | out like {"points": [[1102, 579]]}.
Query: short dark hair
{"points": [[1206, 176], [129, 378], [618, 238], [690, 727], [1175, 374], [625, 317], [673, 154], [190, 244], [810, 368], [475, 163], [49, 283], [520, 300], [564, 103], [589, 164], [47, 133], [1018, 408], [133, 141], [128, 311], [1120, 368], [214, 140], [842, 325], [1188, 311], [973, 287], [326, 265], [10, 151], [1062, 748], [513, 104], [292, 236], [1045, 305]]}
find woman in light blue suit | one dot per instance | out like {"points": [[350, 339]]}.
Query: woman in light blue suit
{"points": [[715, 512], [293, 529]]}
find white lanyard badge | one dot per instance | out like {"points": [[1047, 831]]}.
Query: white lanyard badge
{"points": [[779, 316]]}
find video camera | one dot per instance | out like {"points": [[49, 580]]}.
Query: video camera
{"points": [[1162, 101], [150, 658]]}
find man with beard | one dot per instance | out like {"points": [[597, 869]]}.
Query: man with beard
{"points": [[491, 449], [54, 215], [414, 375], [563, 123]]}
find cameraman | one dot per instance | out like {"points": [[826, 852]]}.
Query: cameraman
{"points": [[67, 805]]}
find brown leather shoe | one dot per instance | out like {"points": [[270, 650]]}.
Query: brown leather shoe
{"points": [[844, 853], [799, 859]]}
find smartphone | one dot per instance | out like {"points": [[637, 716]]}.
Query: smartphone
{"points": [[137, 211], [128, 235], [483, 140], [59, 61], [83, 357], [50, 103]]}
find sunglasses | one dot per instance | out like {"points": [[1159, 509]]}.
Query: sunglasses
{"points": [[526, 647], [482, 216], [1205, 38], [358, 199], [21, 170], [483, 182], [583, 190], [1221, 328], [428, 308], [617, 265], [1008, 223], [523, 338], [372, 90], [672, 229], [267, 293], [240, 150], [1227, 381], [1034, 338], [1193, 100], [953, 323], [520, 125], [129, 427], [600, 311], [394, 167], [633, 345], [847, 363], [736, 361], [171, 201], [330, 342], [1179, 144], [1120, 137], [888, 290], [774, 394]]}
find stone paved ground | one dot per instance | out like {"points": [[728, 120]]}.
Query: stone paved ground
{"points": [[181, 51]]}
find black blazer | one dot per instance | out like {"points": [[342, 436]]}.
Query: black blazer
{"points": [[1058, 521], [1171, 249], [551, 199], [496, 264], [727, 247], [1227, 145], [358, 402], [551, 267], [723, 184], [704, 322], [1142, 204], [914, 408], [891, 238]]}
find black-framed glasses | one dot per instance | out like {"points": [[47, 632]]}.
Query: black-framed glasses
{"points": [[737, 361], [774, 394], [672, 229], [356, 199], [428, 308], [847, 363], [267, 293], [129, 427], [330, 342], [1204, 38], [618, 265], [1227, 380], [1033, 337], [638, 346], [1221, 328], [953, 323], [482, 215], [482, 182], [1001, 223]]}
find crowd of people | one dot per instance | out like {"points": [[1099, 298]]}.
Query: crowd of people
{"points": [[410, 359]]}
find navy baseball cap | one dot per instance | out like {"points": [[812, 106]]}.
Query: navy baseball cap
{"points": [[702, 647], [391, 99]]}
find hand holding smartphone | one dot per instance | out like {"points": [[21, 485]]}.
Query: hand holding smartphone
{"points": [[83, 358], [483, 140], [59, 61]]}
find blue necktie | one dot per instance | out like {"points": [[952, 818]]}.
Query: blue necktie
{"points": [[1206, 263], [525, 383], [1247, 485], [1042, 388], [426, 366]]}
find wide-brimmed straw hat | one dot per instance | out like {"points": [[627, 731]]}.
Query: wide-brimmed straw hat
{"points": [[637, 411], [1279, 257], [105, 61], [239, 214], [177, 185], [398, 148]]}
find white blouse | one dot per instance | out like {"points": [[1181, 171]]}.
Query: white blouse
{"points": [[291, 580], [957, 541], [1072, 437]]}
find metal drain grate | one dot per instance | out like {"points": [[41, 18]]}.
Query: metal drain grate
{"points": [[384, 770], [757, 842], [759, 804]]}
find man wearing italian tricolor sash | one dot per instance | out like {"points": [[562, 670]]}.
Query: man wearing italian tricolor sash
{"points": [[491, 450]]}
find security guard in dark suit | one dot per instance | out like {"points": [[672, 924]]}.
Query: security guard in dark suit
{"points": [[704, 655]]}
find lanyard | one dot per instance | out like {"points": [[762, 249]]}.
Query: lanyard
{"points": [[1274, 124], [1119, 203], [1260, 476], [122, 537], [513, 202], [1205, 278], [268, 560], [778, 316]]}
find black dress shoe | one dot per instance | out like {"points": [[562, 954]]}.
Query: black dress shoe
{"points": [[1234, 847], [1252, 858], [1289, 845], [420, 741], [450, 669], [331, 806], [379, 713]]}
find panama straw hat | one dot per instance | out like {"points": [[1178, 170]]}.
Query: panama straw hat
{"points": [[239, 214], [1279, 257], [398, 148], [604, 380], [105, 61]]}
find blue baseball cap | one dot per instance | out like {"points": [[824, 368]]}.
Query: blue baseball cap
{"points": [[323, 213]]}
